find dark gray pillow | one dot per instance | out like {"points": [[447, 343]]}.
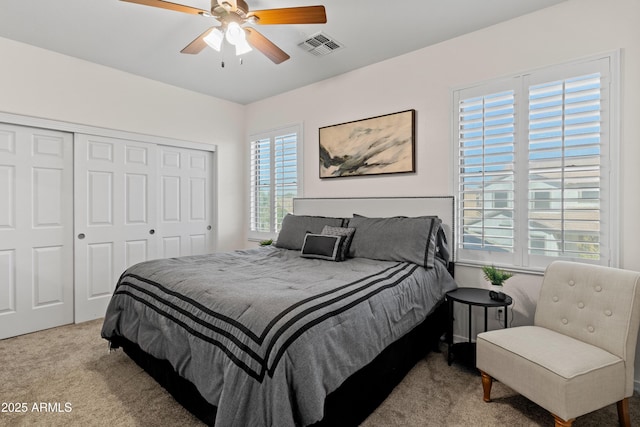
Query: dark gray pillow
{"points": [[295, 227], [396, 239], [442, 246], [347, 232], [322, 246]]}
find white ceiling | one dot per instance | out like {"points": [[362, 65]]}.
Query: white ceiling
{"points": [[146, 41]]}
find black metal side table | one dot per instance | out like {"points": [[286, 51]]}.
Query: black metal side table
{"points": [[471, 296]]}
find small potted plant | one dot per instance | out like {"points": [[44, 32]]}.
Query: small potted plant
{"points": [[496, 276]]}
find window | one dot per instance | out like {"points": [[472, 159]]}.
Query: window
{"points": [[274, 179], [533, 167]]}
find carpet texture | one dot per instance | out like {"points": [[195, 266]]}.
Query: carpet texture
{"points": [[66, 377]]}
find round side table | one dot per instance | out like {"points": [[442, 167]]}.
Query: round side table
{"points": [[472, 297]]}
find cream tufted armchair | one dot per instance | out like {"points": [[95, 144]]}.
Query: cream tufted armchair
{"points": [[578, 356]]}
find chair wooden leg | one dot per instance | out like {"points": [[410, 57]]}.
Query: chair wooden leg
{"points": [[623, 413], [562, 423], [487, 382]]}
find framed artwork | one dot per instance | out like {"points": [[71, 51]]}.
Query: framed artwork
{"points": [[374, 146]]}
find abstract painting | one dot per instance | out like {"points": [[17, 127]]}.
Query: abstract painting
{"points": [[374, 146]]}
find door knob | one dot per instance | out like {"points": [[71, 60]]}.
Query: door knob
{"points": [[152, 231], [81, 236]]}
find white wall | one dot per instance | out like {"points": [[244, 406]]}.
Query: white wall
{"points": [[40, 83], [423, 80]]}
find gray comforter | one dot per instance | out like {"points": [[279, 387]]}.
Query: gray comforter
{"points": [[264, 334]]}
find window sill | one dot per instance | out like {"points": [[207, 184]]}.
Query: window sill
{"points": [[521, 270]]}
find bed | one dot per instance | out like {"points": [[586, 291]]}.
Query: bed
{"points": [[315, 330]]}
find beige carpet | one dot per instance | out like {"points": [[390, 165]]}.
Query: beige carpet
{"points": [[66, 377]]}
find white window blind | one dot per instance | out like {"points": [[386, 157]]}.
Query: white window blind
{"points": [[274, 179], [533, 167], [486, 171], [261, 185], [286, 176], [565, 168]]}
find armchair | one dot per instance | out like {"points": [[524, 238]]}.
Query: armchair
{"points": [[579, 354]]}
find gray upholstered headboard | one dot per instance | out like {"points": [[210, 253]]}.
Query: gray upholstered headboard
{"points": [[442, 206]]}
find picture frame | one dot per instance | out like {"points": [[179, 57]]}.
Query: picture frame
{"points": [[373, 146]]}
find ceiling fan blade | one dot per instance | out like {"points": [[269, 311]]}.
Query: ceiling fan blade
{"points": [[291, 15], [171, 6], [266, 46], [197, 44]]}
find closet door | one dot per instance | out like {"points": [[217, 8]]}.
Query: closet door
{"points": [[36, 226], [185, 205], [115, 219]]}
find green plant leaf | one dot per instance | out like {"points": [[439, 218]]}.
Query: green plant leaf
{"points": [[495, 275]]}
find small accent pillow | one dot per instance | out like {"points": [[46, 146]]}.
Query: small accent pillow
{"points": [[295, 227], [347, 232], [322, 247]]}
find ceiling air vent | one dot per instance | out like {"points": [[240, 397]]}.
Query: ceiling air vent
{"points": [[320, 44]]}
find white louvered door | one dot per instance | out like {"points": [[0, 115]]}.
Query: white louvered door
{"points": [[36, 226], [115, 218]]}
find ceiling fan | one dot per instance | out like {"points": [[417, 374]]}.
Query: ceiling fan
{"points": [[233, 15]]}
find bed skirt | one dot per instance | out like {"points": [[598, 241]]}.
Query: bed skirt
{"points": [[348, 405]]}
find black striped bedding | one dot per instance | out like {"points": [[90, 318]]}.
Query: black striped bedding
{"points": [[264, 334]]}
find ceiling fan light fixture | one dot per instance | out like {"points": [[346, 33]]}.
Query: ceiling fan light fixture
{"points": [[214, 39], [232, 16], [235, 33], [243, 47]]}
